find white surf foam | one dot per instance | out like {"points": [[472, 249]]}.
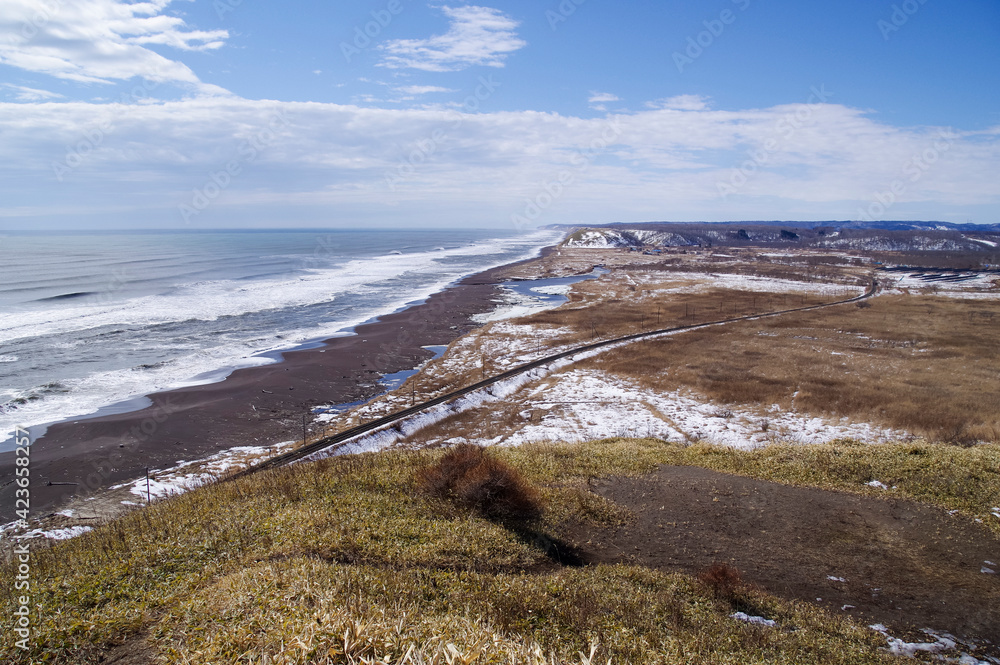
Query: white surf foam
{"points": [[207, 300], [210, 300]]}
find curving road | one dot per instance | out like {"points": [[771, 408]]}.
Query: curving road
{"points": [[346, 435]]}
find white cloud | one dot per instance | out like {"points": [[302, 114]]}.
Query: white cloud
{"points": [[422, 89], [598, 97], [680, 103], [100, 41], [597, 100], [476, 36], [25, 94], [340, 159]]}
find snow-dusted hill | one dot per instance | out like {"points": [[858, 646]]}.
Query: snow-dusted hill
{"points": [[627, 238], [896, 244], [705, 234]]}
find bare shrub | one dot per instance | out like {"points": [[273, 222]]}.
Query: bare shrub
{"points": [[472, 477], [722, 579]]}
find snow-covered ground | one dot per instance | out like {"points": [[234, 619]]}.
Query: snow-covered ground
{"points": [[988, 243], [561, 403], [187, 476], [980, 286], [514, 304], [582, 405], [586, 404], [696, 282], [943, 642]]}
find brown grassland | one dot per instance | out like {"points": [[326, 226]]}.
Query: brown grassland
{"points": [[347, 561], [925, 364]]}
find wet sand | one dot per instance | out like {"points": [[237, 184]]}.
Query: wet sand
{"points": [[253, 406]]}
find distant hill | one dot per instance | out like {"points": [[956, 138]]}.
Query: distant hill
{"points": [[875, 236], [888, 225]]}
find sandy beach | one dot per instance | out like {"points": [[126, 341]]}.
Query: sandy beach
{"points": [[252, 406]]}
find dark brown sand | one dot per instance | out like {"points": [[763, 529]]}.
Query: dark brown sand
{"points": [[253, 406]]}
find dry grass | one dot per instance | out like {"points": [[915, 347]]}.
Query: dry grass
{"points": [[613, 308], [345, 561], [925, 364]]}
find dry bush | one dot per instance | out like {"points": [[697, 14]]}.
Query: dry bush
{"points": [[473, 478], [723, 580]]}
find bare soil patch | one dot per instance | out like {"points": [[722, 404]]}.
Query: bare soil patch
{"points": [[899, 563]]}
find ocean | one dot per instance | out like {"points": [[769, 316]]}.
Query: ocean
{"points": [[91, 322]]}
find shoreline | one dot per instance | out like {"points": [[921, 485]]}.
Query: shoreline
{"points": [[253, 406]]}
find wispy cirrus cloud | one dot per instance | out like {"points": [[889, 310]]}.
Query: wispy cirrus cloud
{"points": [[597, 100], [476, 36], [26, 94], [101, 41], [422, 89], [680, 103]]}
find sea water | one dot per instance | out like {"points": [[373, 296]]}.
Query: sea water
{"points": [[89, 320]]}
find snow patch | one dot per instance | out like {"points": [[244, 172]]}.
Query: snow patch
{"points": [[191, 475], [748, 618], [58, 534], [988, 243], [898, 647], [513, 304]]}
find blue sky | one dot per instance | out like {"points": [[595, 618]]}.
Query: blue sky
{"points": [[227, 113]]}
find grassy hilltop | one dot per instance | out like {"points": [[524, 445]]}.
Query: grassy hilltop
{"points": [[359, 560]]}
